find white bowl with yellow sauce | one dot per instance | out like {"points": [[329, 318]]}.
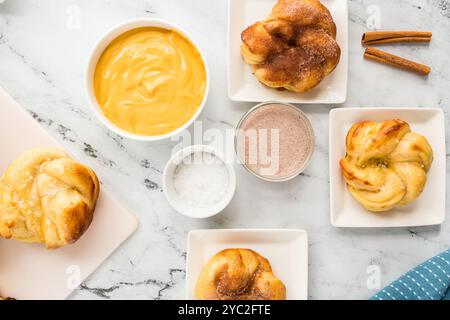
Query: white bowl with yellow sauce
{"points": [[147, 80]]}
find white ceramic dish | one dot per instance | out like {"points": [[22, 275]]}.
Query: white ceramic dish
{"points": [[286, 250], [98, 51], [29, 271], [243, 85], [177, 203], [428, 209]]}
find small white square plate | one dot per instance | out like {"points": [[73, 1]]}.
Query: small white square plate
{"points": [[286, 250], [428, 209], [244, 86]]}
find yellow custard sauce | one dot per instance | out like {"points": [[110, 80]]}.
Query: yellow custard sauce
{"points": [[150, 81]]}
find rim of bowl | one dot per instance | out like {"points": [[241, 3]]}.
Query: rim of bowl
{"points": [[186, 210], [308, 126], [99, 48]]}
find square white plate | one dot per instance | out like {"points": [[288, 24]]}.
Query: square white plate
{"points": [[428, 209], [244, 86], [286, 250], [29, 271]]}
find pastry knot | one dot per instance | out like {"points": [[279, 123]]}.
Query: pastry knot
{"points": [[386, 164], [239, 274], [295, 48], [47, 197]]}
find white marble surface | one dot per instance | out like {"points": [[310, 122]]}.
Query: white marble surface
{"points": [[42, 63]]}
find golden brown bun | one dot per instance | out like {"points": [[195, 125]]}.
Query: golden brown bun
{"points": [[239, 274], [295, 47], [386, 164], [46, 197]]}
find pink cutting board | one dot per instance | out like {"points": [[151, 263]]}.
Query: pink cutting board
{"points": [[29, 271]]}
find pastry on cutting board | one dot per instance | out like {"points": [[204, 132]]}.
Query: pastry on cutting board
{"points": [[47, 197]]}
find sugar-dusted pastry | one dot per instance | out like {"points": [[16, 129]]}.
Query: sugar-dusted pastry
{"points": [[239, 274], [47, 197], [295, 47], [386, 164]]}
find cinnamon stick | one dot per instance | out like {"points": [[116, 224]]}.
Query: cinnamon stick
{"points": [[396, 61], [380, 37]]}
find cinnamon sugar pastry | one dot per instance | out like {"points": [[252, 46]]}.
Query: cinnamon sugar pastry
{"points": [[386, 164], [239, 274], [47, 197], [295, 48]]}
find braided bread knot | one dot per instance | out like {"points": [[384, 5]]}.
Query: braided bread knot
{"points": [[47, 197], [386, 164], [295, 48], [239, 274]]}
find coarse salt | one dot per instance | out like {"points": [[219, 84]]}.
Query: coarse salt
{"points": [[201, 180]]}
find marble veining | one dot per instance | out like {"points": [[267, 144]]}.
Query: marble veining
{"points": [[43, 56]]}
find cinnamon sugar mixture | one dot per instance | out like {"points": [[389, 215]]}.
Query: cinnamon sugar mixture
{"points": [[278, 141]]}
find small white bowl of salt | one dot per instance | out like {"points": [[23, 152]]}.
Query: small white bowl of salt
{"points": [[198, 182]]}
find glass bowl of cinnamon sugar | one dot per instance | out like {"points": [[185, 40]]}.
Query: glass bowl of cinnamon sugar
{"points": [[274, 141]]}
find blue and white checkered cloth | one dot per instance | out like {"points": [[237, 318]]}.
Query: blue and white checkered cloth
{"points": [[428, 281]]}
